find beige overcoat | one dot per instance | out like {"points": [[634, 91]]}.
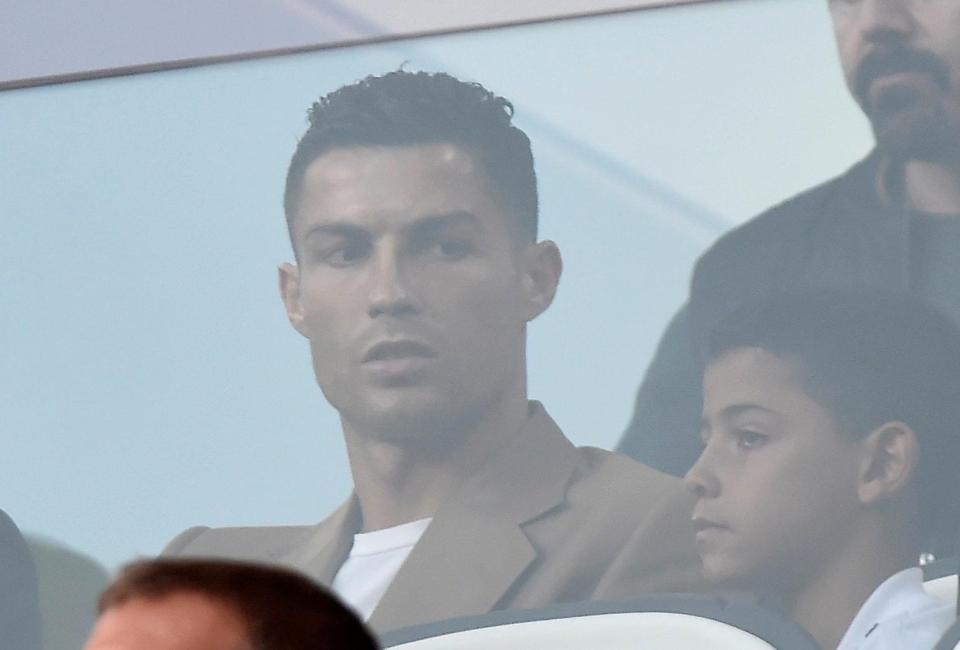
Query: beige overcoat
{"points": [[543, 522]]}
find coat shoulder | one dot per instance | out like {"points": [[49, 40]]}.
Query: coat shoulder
{"points": [[776, 232], [616, 471], [262, 543], [623, 491], [644, 515]]}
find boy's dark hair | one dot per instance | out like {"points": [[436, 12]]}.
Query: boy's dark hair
{"points": [[408, 108], [871, 357], [281, 609]]}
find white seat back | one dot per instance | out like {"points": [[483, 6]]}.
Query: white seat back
{"points": [[944, 588], [668, 622], [622, 631]]}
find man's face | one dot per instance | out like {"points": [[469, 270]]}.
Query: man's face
{"points": [[182, 621], [901, 59], [410, 287], [776, 482]]}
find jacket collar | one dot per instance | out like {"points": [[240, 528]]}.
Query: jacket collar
{"points": [[326, 546], [869, 189], [475, 547], [865, 238]]}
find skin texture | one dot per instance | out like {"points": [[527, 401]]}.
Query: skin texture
{"points": [[789, 506], [414, 295], [181, 621], [901, 59]]}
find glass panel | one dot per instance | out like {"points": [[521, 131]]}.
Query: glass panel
{"points": [[151, 381]]}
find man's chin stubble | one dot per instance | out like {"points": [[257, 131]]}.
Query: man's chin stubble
{"points": [[923, 135]]}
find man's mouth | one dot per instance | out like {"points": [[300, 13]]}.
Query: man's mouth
{"points": [[398, 362], [889, 78], [399, 349], [897, 91]]}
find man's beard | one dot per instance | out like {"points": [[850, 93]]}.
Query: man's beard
{"points": [[921, 132], [909, 123]]}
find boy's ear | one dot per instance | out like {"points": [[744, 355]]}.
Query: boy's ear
{"points": [[541, 266], [889, 460]]}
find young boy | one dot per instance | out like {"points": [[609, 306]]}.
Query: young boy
{"points": [[831, 430]]}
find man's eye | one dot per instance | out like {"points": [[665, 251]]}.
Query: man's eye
{"points": [[747, 439], [452, 249], [345, 254]]}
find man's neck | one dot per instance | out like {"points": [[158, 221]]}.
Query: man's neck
{"points": [[397, 481], [828, 601], [932, 187]]}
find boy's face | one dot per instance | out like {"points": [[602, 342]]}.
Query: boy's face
{"points": [[776, 482]]}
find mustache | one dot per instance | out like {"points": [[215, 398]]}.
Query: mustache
{"points": [[891, 60]]}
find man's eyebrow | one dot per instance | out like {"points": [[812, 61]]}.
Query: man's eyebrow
{"points": [[424, 225], [435, 222], [336, 228]]}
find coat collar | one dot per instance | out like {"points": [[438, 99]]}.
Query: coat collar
{"points": [[327, 545], [475, 547], [868, 230]]}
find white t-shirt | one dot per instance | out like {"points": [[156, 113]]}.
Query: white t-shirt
{"points": [[899, 615], [373, 563]]}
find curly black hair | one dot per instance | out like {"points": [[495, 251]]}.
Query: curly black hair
{"points": [[407, 108]]}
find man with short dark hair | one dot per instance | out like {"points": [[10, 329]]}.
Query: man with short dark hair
{"points": [[830, 431], [891, 221], [221, 605], [411, 203]]}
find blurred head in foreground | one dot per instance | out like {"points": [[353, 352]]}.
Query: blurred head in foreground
{"points": [[830, 430], [221, 605]]}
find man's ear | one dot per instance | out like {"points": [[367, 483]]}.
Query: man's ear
{"points": [[889, 461], [540, 266], [288, 280]]}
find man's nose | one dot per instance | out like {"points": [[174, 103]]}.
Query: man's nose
{"points": [[701, 480], [885, 21], [389, 289]]}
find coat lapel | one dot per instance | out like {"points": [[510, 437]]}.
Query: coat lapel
{"points": [[475, 548], [461, 566], [327, 544]]}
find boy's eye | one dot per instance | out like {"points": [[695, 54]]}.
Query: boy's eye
{"points": [[747, 439]]}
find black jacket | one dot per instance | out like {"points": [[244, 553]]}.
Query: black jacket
{"points": [[836, 235]]}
